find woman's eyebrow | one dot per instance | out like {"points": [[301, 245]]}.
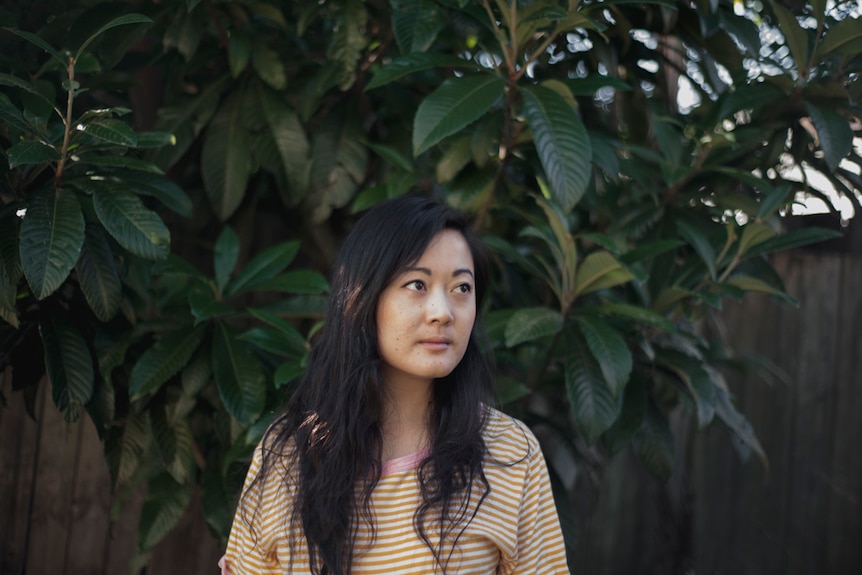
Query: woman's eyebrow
{"points": [[427, 271]]}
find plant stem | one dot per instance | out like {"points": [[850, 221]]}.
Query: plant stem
{"points": [[67, 122]]}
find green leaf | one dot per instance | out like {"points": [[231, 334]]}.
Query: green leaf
{"points": [[631, 417], [175, 442], [125, 446], [97, 274], [110, 130], [263, 267], [610, 350], [794, 35], [774, 199], [239, 53], [749, 283], [599, 270], [288, 372], [165, 358], [348, 40], [649, 250], [296, 281], [562, 143], [293, 341], [754, 233], [272, 341], [52, 233], [416, 24], [793, 239], [168, 193], [593, 404], [833, 131], [654, 442], [69, 365], [695, 237], [269, 66], [415, 62], [204, 305], [226, 254], [34, 39], [737, 423], [117, 162], [225, 163], [7, 80], [391, 155], [637, 314], [120, 21], [289, 137], [839, 36], [528, 324], [135, 227], [452, 107], [31, 152], [696, 382], [8, 297], [154, 139], [239, 377], [164, 506]]}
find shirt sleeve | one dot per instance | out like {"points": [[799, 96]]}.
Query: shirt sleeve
{"points": [[540, 547], [261, 514]]}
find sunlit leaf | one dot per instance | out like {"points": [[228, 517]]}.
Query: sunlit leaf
{"points": [[529, 324], [562, 143], [457, 103]]}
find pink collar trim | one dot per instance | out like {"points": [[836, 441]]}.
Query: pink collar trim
{"points": [[405, 462]]}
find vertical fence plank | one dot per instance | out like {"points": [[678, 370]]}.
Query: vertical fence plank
{"points": [[90, 507], [18, 452], [53, 480], [844, 514]]}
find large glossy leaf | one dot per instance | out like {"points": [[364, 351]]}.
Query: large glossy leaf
{"points": [[226, 254], [165, 358], [695, 380], [31, 152], [415, 62], [610, 351], [339, 162], [636, 314], [123, 20], [593, 404], [52, 234], [175, 442], [117, 162], [631, 417], [167, 192], [416, 24], [599, 270], [348, 40], [110, 130], [125, 446], [654, 442], [269, 66], [795, 36], [294, 342], [840, 36], [562, 143], [793, 239], [297, 281], [698, 240], [263, 267], [289, 137], [452, 107], [12, 117], [164, 506], [69, 365], [225, 162], [834, 132], [238, 374], [97, 274], [737, 423], [529, 324], [134, 226]]}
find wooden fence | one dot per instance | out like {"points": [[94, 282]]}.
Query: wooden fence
{"points": [[716, 515]]}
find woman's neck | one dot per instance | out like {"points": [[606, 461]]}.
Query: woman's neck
{"points": [[406, 421]]}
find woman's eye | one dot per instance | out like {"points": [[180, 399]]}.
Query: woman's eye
{"points": [[464, 288], [417, 285]]}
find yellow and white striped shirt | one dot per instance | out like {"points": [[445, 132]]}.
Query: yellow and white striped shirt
{"points": [[516, 530]]}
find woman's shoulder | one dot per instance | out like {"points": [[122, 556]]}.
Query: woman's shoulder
{"points": [[508, 438]]}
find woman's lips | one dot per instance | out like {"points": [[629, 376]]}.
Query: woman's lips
{"points": [[435, 343]]}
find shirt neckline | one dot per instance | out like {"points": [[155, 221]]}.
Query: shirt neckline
{"points": [[405, 462]]}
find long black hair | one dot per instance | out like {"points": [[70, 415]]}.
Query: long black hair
{"points": [[331, 429]]}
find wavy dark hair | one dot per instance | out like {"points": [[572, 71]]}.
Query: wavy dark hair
{"points": [[331, 429]]}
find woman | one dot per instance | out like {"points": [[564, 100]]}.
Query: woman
{"points": [[389, 458]]}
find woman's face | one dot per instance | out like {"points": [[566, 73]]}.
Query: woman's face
{"points": [[426, 314]]}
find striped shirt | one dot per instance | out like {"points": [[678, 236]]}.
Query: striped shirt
{"points": [[515, 531]]}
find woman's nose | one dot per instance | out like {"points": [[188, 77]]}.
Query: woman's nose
{"points": [[439, 307]]}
